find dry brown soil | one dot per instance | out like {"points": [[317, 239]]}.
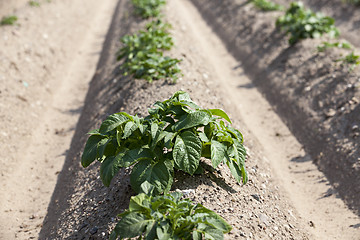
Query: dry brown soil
{"points": [[232, 58], [47, 60]]}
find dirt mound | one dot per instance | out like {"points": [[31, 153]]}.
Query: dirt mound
{"points": [[286, 196], [256, 210], [318, 99], [46, 66]]}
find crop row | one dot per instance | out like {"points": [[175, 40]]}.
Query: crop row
{"points": [[175, 136], [301, 23]]}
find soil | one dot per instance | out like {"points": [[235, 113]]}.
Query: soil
{"points": [[295, 107], [47, 60], [324, 96]]}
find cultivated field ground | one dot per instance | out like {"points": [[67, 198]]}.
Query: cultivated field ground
{"points": [[297, 108]]}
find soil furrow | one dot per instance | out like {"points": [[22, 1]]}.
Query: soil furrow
{"points": [[286, 197], [297, 111], [306, 186], [302, 85], [43, 97]]}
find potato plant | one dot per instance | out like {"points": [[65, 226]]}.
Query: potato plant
{"points": [[175, 135], [168, 217], [8, 20], [265, 5], [356, 2], [148, 8], [351, 59], [143, 57], [326, 45], [301, 23], [33, 3]]}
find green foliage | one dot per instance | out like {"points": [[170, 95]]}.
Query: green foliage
{"points": [[175, 135], [9, 20], [168, 217], [301, 23], [267, 5], [352, 60], [143, 53], [327, 45], [34, 3], [356, 2], [148, 8]]}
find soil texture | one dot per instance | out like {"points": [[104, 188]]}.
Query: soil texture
{"points": [[298, 110]]}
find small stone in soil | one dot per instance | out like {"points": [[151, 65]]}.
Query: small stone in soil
{"points": [[93, 230], [264, 219], [355, 128], [83, 226], [311, 223], [330, 113], [256, 197]]}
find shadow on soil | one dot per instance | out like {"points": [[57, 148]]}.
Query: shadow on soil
{"points": [[301, 84], [66, 184], [80, 200]]}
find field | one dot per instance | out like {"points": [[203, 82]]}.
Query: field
{"points": [[297, 108]]}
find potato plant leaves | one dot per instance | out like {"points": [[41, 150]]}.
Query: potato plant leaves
{"points": [[193, 119], [132, 225], [169, 217], [176, 133], [143, 56], [91, 150], [157, 174], [218, 152], [187, 151], [302, 23], [112, 122], [148, 8]]}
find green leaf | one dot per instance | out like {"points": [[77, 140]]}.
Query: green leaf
{"points": [[154, 130], [163, 231], [125, 158], [147, 188], [213, 234], [223, 136], [157, 134], [181, 95], [134, 155], [203, 137], [196, 235], [132, 225], [244, 174], [187, 151], [156, 174], [129, 128], [150, 232], [194, 119], [236, 133], [206, 150], [234, 169], [168, 139], [218, 151], [214, 219], [209, 130], [101, 147], [95, 132], [140, 203], [90, 151], [220, 113], [112, 122], [189, 104], [109, 167]]}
